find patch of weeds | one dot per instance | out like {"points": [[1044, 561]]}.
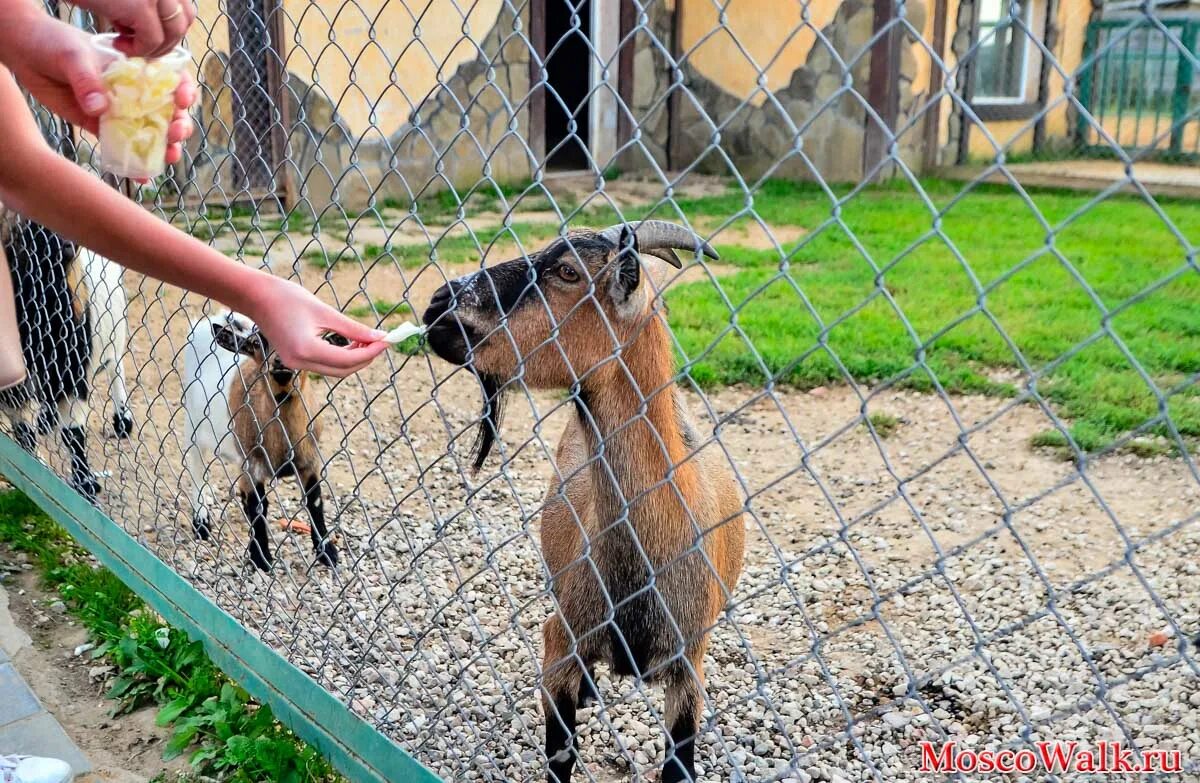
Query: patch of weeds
{"points": [[229, 736], [413, 346], [884, 424], [206, 230]]}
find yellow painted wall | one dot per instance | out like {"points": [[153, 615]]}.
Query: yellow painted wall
{"points": [[336, 50], [766, 29], [1072, 25], [356, 73], [1012, 135], [210, 32]]}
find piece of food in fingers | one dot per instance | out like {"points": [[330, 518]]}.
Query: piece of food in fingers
{"points": [[403, 332]]}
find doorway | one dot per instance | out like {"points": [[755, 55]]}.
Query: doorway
{"points": [[568, 81]]}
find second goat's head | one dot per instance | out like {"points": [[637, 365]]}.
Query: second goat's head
{"points": [[253, 344], [236, 336], [555, 316]]}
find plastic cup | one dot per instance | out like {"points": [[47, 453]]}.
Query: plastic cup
{"points": [[141, 94]]}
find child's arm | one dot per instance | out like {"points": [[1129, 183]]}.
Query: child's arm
{"points": [[48, 189]]}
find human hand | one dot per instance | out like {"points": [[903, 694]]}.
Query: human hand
{"points": [[145, 28], [58, 64], [295, 321]]}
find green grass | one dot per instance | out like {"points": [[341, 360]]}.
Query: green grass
{"points": [[455, 248], [229, 737], [1119, 246], [884, 423]]}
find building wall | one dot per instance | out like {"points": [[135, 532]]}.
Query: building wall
{"points": [[800, 121], [1016, 136], [377, 109]]}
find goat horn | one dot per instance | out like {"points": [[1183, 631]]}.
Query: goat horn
{"points": [[660, 238]]}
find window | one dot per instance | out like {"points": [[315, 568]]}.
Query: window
{"points": [[1003, 54]]}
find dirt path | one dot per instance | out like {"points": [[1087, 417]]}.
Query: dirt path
{"points": [[127, 749]]}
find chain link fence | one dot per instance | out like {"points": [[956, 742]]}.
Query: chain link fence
{"points": [[954, 421]]}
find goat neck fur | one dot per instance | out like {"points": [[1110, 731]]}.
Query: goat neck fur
{"points": [[646, 501], [273, 421]]}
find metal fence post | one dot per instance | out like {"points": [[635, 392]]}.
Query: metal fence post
{"points": [[883, 87], [1183, 87]]}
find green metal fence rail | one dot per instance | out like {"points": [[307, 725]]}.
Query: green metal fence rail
{"points": [[1139, 87], [352, 745]]}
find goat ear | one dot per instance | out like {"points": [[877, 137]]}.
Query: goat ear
{"points": [[234, 342], [228, 339], [628, 272]]}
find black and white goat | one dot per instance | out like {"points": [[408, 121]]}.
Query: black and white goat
{"points": [[54, 321]]}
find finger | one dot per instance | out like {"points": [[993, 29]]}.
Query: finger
{"points": [[175, 23], [352, 330], [83, 74], [185, 93], [189, 11], [174, 153], [148, 34], [343, 359], [179, 130]]}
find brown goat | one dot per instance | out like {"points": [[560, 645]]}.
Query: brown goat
{"points": [[272, 418], [642, 528]]}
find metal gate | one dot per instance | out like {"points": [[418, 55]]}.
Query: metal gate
{"points": [[1141, 91]]}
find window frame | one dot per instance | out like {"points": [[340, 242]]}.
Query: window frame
{"points": [[1020, 101]]}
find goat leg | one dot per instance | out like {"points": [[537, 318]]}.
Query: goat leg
{"points": [[587, 689], [201, 527], [560, 692], [122, 419], [325, 549], [254, 503], [82, 478], [685, 700]]}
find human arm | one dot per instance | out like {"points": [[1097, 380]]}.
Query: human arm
{"points": [[50, 190], [58, 64]]}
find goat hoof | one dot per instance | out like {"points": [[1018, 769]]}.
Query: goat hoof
{"points": [[262, 561], [122, 422], [200, 525], [327, 554], [86, 484], [587, 693]]}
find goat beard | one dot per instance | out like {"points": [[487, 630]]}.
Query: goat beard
{"points": [[489, 419]]}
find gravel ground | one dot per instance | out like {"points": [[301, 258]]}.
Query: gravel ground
{"points": [[927, 585]]}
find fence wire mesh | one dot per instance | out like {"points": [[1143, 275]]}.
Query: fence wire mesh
{"points": [[955, 421]]}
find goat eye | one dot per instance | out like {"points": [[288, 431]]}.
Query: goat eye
{"points": [[568, 273]]}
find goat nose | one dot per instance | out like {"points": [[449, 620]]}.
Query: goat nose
{"points": [[440, 302]]}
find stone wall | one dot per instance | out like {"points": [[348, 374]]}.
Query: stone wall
{"points": [[813, 126], [472, 125]]}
